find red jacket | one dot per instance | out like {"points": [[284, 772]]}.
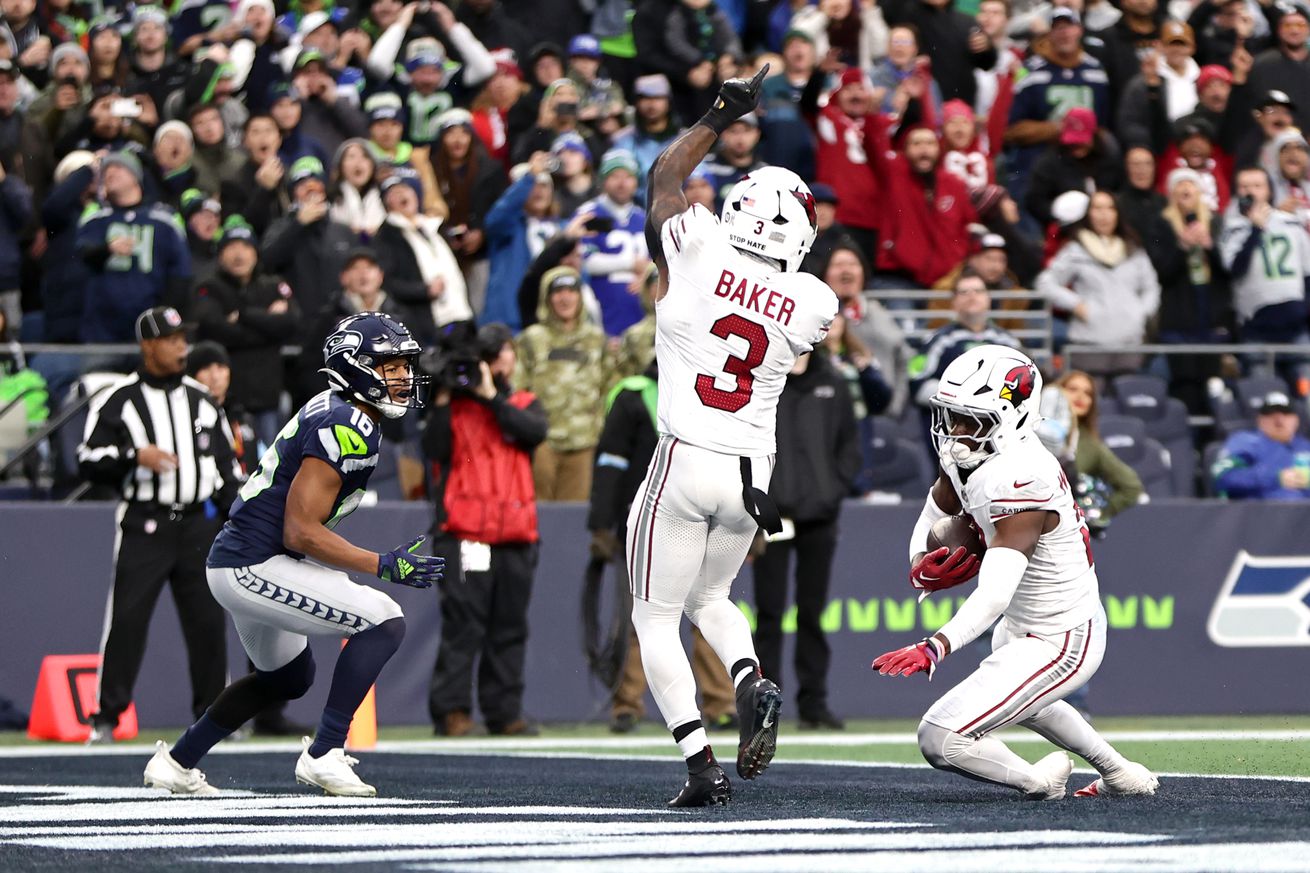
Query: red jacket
{"points": [[1214, 176], [842, 162], [489, 492], [925, 240]]}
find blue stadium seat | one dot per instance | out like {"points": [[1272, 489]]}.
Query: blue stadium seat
{"points": [[1126, 437], [1165, 418]]}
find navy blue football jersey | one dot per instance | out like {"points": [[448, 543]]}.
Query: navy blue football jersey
{"points": [[327, 428]]}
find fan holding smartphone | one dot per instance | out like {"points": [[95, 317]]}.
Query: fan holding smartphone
{"points": [[615, 242]]}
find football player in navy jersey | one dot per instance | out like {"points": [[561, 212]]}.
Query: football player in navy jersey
{"points": [[270, 565]]}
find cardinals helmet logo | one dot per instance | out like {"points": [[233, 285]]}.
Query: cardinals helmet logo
{"points": [[811, 210], [1018, 384]]}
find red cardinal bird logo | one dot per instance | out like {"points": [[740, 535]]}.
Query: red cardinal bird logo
{"points": [[811, 211], [1018, 384]]}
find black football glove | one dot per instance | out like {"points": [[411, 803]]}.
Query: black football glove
{"points": [[736, 98], [403, 565]]}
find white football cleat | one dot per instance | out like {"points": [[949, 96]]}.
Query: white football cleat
{"points": [[1133, 779], [1054, 770], [163, 772], [333, 773]]}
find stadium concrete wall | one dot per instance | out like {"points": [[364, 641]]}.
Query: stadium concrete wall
{"points": [[1207, 605]]}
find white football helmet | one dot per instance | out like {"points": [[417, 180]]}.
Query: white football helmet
{"points": [[986, 402], [771, 212]]}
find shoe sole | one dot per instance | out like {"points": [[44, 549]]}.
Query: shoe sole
{"points": [[1098, 789], [754, 758], [331, 793], [718, 797]]}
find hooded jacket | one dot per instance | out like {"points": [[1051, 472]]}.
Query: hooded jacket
{"points": [[818, 444], [567, 368]]}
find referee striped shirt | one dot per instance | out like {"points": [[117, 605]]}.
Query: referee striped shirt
{"points": [[177, 415]]}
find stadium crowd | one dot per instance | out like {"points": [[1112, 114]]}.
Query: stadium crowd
{"points": [[268, 168]]}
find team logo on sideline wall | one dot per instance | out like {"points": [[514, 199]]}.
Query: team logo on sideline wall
{"points": [[1263, 602]]}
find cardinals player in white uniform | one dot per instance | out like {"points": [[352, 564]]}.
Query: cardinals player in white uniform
{"points": [[1037, 576], [731, 316]]}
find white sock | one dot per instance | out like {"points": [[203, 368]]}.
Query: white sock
{"points": [[693, 742], [1061, 724]]}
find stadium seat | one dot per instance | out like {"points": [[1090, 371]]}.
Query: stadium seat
{"points": [[1208, 458], [1165, 418], [1250, 392], [69, 437], [1126, 437], [899, 466]]}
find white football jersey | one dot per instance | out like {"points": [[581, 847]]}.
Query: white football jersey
{"points": [[1059, 590], [727, 333]]}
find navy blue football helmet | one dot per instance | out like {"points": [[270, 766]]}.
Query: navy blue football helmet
{"points": [[358, 345]]}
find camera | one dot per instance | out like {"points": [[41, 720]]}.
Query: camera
{"points": [[1244, 204], [454, 363], [599, 224], [566, 109], [553, 165], [124, 107]]}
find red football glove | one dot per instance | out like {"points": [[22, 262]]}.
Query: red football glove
{"points": [[942, 568], [923, 655]]}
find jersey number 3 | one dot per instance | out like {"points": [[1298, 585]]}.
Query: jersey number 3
{"points": [[742, 368]]}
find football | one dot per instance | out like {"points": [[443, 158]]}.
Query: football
{"points": [[955, 531]]}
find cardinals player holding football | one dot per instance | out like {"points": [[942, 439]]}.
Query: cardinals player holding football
{"points": [[1036, 576], [731, 317]]}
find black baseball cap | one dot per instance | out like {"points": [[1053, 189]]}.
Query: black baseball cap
{"points": [[157, 322], [206, 354], [360, 252], [1276, 98]]}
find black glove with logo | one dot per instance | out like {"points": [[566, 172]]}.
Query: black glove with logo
{"points": [[736, 98]]}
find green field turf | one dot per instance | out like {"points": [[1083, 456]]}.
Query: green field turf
{"points": [[1221, 745]]}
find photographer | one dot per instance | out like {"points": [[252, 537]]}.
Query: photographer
{"points": [[1267, 253], [480, 438]]}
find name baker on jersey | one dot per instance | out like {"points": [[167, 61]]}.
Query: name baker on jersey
{"points": [[735, 291]]}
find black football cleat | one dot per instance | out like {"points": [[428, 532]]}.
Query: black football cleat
{"points": [[709, 787], [758, 705]]}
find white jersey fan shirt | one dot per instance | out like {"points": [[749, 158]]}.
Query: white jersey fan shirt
{"points": [[727, 333]]}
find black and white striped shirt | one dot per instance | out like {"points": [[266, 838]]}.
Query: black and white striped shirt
{"points": [[177, 415]]}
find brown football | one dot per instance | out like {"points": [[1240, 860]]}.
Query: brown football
{"points": [[955, 531]]}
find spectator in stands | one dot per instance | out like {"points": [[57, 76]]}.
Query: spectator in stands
{"points": [[575, 180], [1274, 114], [483, 439], [258, 193], [996, 84], [287, 108], [926, 212], [204, 225], [254, 55], [1166, 85], [253, 316], [1286, 159], [600, 97], [734, 156], [903, 62], [1267, 253], [15, 212], [1271, 462], [100, 128], [470, 182], [557, 115], [653, 127], [829, 234], [327, 117], [518, 226], [616, 247], [105, 49], [965, 149], [700, 49], [13, 112], [215, 164], [562, 360], [952, 39], [494, 105], [1057, 77], [1286, 66], [173, 149], [853, 34], [1139, 198], [354, 190], [867, 319], [1085, 159], [494, 27], [422, 271], [1223, 27], [306, 247], [58, 109], [1103, 277], [869, 389], [1126, 43], [842, 159], [990, 261], [973, 326], [1077, 443], [637, 345], [1193, 147], [817, 462], [136, 254], [786, 139], [1195, 299], [64, 275], [31, 41]]}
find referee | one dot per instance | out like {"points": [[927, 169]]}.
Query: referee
{"points": [[159, 440]]}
